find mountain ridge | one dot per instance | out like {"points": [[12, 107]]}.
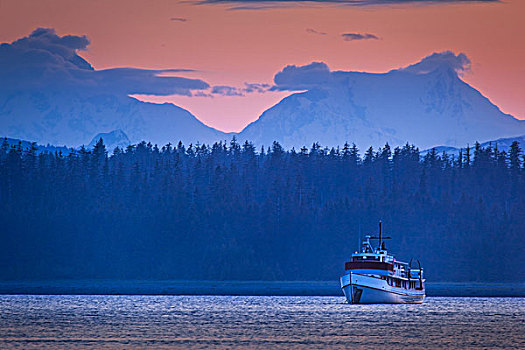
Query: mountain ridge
{"points": [[429, 109], [50, 94], [74, 118]]}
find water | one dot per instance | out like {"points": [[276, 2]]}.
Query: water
{"points": [[108, 322]]}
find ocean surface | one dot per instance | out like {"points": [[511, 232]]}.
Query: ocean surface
{"points": [[269, 322]]}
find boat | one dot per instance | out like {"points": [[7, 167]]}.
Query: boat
{"points": [[372, 276]]}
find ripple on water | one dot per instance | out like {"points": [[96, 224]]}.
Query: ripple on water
{"points": [[66, 322]]}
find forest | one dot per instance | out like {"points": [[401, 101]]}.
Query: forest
{"points": [[236, 211]]}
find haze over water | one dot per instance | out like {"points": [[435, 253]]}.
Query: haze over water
{"points": [[102, 322]]}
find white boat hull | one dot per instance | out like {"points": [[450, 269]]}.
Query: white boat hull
{"points": [[373, 289]]}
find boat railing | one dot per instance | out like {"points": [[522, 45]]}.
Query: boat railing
{"points": [[415, 273]]}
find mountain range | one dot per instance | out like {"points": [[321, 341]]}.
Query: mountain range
{"points": [[431, 109], [52, 95]]}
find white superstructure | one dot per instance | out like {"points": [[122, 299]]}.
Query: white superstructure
{"points": [[374, 277]]}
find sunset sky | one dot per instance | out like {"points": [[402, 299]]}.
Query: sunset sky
{"points": [[229, 44]]}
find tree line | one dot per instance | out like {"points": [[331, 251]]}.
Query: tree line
{"points": [[234, 211]]}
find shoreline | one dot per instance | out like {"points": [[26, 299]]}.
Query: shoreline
{"points": [[239, 288]]}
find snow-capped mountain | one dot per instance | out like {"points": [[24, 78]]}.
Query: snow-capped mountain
{"points": [[49, 94], [72, 118], [112, 140], [426, 104]]}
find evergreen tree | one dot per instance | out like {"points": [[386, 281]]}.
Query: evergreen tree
{"points": [[514, 157]]}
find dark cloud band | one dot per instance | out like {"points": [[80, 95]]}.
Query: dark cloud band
{"points": [[248, 88], [318, 75], [359, 36], [268, 4], [313, 31]]}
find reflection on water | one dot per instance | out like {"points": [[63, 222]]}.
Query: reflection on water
{"points": [[98, 322]]}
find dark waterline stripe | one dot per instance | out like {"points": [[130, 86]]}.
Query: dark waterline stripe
{"points": [[287, 288]]}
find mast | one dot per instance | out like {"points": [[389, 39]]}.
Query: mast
{"points": [[380, 236]]}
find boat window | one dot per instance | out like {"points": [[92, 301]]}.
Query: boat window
{"points": [[365, 258]]}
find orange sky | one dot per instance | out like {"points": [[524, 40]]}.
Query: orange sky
{"points": [[232, 47]]}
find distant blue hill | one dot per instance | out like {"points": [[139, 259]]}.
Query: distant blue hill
{"points": [[502, 144], [113, 139], [41, 148]]}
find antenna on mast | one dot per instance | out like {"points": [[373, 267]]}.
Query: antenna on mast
{"points": [[380, 238]]}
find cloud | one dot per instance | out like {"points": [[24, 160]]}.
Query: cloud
{"points": [[317, 74], [201, 94], [313, 31], [248, 88], [226, 91], [44, 59], [302, 77], [459, 63], [256, 87], [44, 47], [271, 4], [358, 36], [145, 81], [178, 19]]}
